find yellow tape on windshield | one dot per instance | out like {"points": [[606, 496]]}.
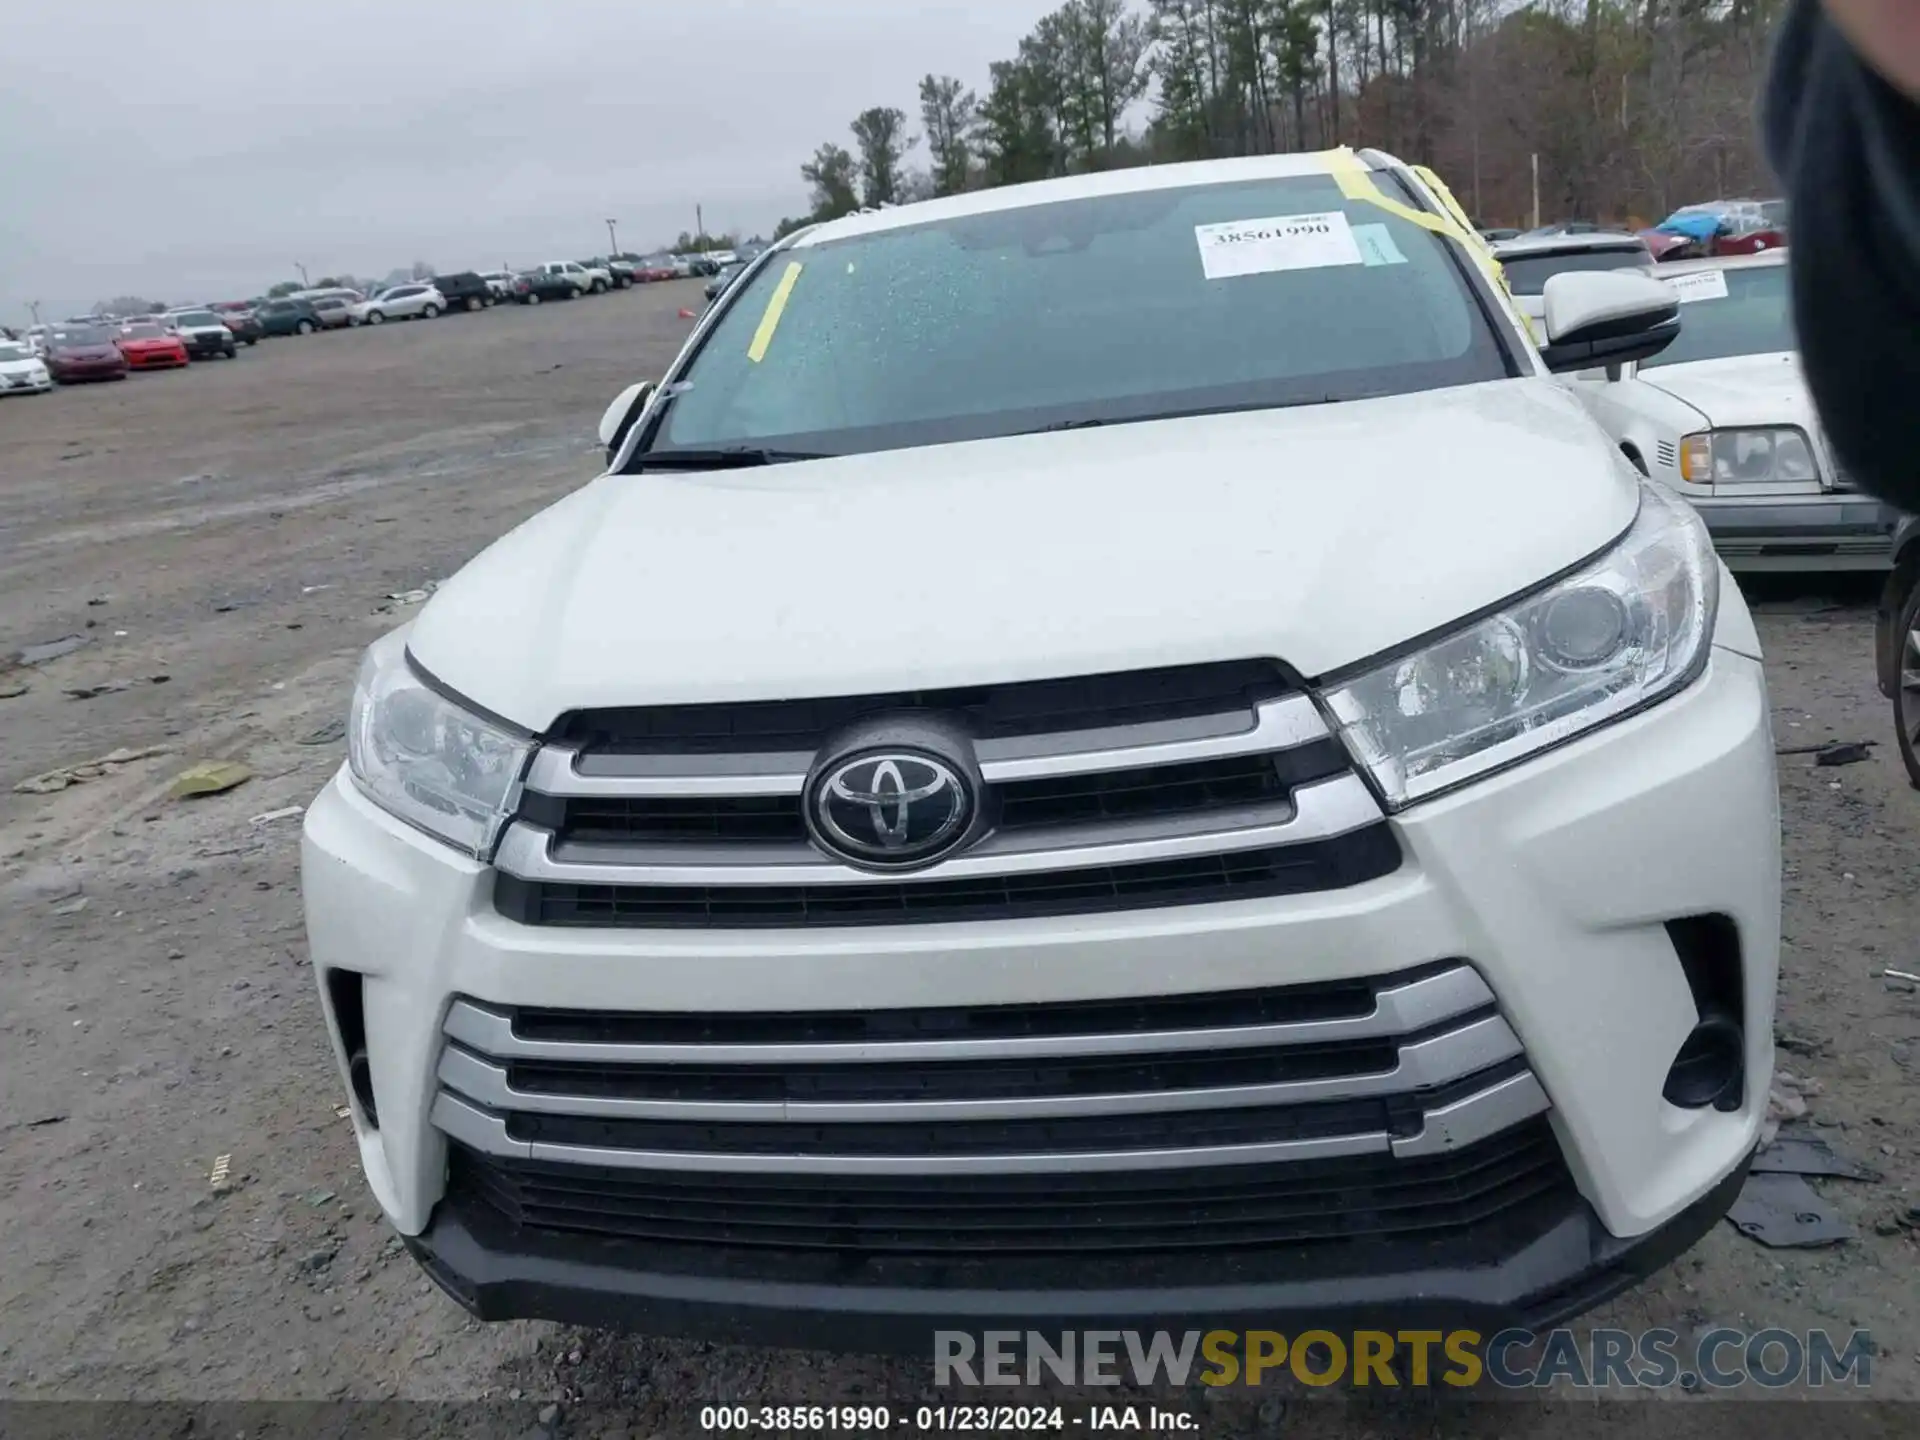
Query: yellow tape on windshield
{"points": [[776, 307], [1356, 183]]}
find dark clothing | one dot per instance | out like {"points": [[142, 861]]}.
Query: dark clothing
{"points": [[1846, 146]]}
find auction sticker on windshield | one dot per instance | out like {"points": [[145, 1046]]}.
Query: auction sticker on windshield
{"points": [[1700, 285], [1279, 242]]}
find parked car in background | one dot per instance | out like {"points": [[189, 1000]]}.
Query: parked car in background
{"points": [[415, 301], [464, 290], [571, 271], [332, 292], [287, 316], [500, 282], [83, 352], [1498, 233], [23, 371], [621, 272], [653, 269], [685, 267], [717, 286], [204, 333], [239, 317], [598, 277], [548, 282], [1719, 227], [151, 345], [36, 337], [334, 311], [1531, 260], [1722, 418]]}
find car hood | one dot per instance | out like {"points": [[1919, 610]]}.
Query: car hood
{"points": [[21, 367], [1743, 390], [1318, 535], [81, 354], [204, 330]]}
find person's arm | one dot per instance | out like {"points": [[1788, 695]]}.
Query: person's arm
{"points": [[1844, 138]]}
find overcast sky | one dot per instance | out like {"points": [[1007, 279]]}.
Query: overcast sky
{"points": [[190, 150]]}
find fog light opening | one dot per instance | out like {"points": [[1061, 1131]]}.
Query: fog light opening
{"points": [[360, 1080], [1709, 1068]]}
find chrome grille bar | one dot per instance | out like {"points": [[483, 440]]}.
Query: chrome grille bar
{"points": [[1415, 1006], [1322, 811], [1276, 725], [1426, 1063]]}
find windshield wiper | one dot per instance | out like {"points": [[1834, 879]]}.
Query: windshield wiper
{"points": [[729, 457]]}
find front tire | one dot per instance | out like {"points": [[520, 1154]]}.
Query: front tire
{"points": [[598, 287], [305, 327], [429, 312], [1906, 686], [375, 317]]}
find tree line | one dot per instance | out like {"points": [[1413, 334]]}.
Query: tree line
{"points": [[1629, 108]]}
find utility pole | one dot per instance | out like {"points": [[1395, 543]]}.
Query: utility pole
{"points": [[33, 309], [613, 245], [1536, 190], [699, 222], [304, 284]]}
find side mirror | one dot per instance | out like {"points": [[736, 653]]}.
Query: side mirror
{"points": [[1606, 317], [625, 409]]}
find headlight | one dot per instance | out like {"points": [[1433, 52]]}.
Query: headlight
{"points": [[1624, 630], [423, 758], [1741, 457]]}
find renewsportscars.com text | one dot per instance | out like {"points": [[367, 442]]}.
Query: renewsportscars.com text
{"points": [[1510, 1359]]}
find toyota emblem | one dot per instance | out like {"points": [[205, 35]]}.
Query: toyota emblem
{"points": [[890, 809]]}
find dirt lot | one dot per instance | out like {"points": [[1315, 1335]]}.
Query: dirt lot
{"points": [[225, 539]]}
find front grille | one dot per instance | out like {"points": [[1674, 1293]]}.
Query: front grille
{"points": [[1202, 880], [1324, 1206], [990, 711], [1391, 1109], [1183, 786]]}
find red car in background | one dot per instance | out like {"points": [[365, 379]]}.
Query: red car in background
{"points": [[1719, 227], [83, 352], [151, 347]]}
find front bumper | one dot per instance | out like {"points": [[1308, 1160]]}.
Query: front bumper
{"points": [[1569, 1269], [66, 374], [1799, 532], [157, 360], [210, 345], [1556, 881]]}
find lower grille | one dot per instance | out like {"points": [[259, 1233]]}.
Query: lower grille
{"points": [[1323, 1206], [1351, 859]]}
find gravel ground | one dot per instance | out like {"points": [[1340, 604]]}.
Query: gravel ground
{"points": [[225, 540]]}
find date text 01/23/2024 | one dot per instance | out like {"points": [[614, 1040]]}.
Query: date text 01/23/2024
{"points": [[976, 1419]]}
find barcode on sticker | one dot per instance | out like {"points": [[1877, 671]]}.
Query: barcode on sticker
{"points": [[1700, 285], [1276, 242]]}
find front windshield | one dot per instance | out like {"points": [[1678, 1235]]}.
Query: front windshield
{"points": [[1133, 306], [1528, 274], [143, 332], [80, 335], [197, 317], [1730, 312]]}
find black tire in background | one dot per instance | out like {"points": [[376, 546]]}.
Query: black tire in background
{"points": [[533, 297], [473, 303], [1906, 685]]}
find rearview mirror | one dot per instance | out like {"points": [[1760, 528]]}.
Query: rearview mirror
{"points": [[1606, 318], [625, 409]]}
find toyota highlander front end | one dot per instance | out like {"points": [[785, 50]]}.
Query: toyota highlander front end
{"points": [[1189, 868]]}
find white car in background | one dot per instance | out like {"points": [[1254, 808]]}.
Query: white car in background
{"points": [[500, 282], [401, 302], [583, 280], [22, 371], [1722, 418]]}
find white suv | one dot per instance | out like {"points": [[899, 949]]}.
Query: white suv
{"points": [[1198, 784], [401, 302]]}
